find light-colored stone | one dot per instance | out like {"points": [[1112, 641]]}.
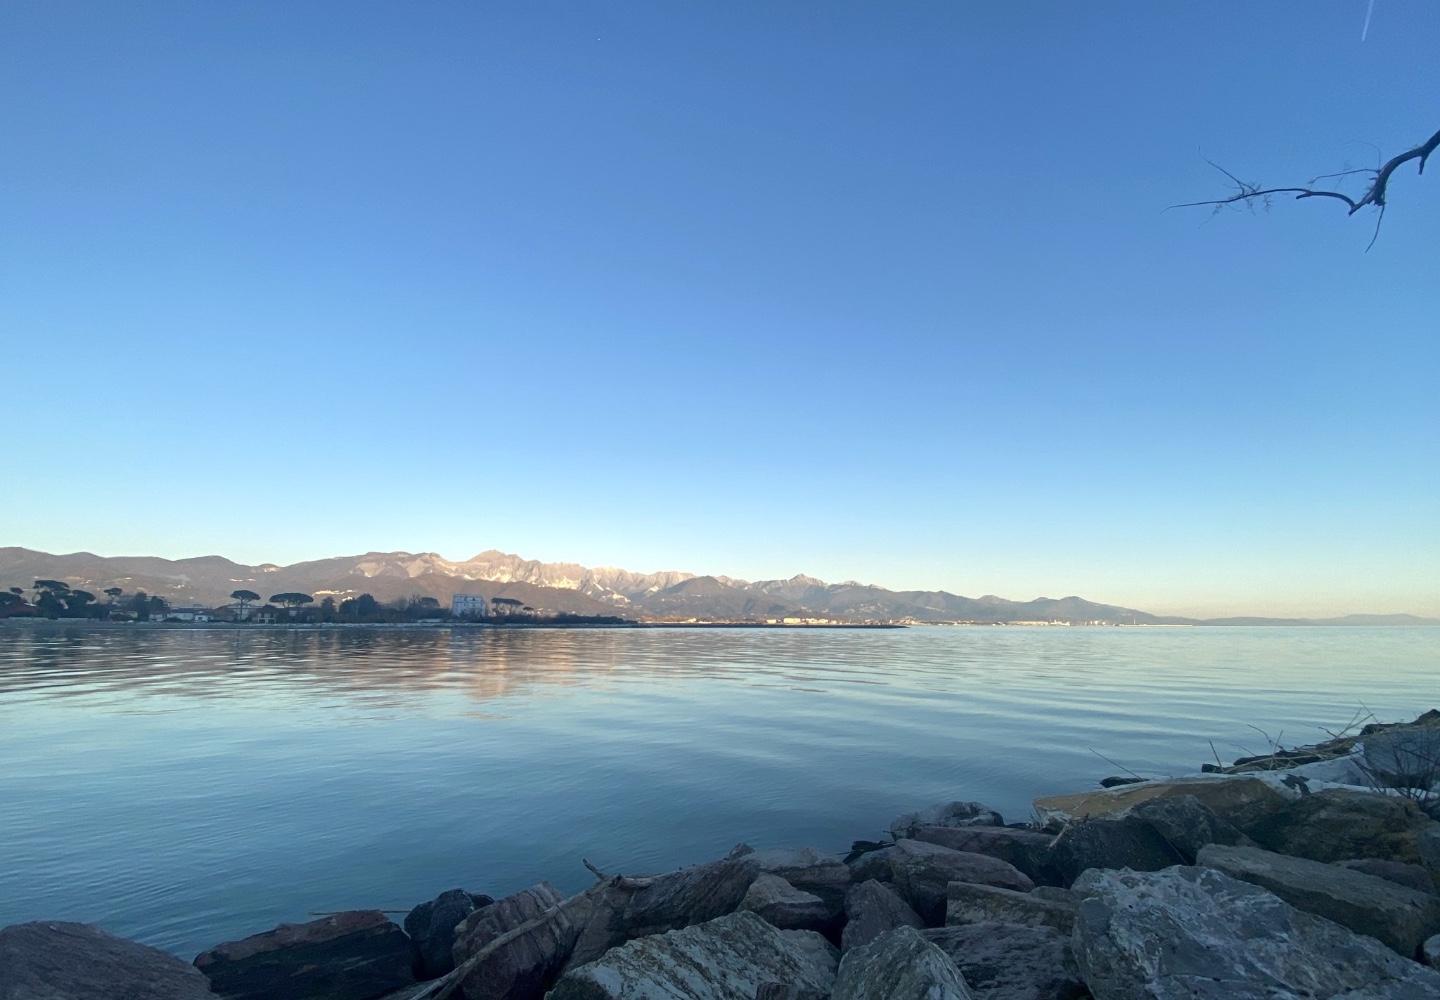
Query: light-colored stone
{"points": [[785, 906], [873, 909], [52, 960], [952, 814], [809, 870], [899, 965], [1198, 934], [1235, 798], [921, 872], [984, 904], [728, 958], [1402, 918], [1430, 950], [1012, 961]]}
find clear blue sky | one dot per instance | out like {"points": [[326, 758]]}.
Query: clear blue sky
{"points": [[867, 291]]}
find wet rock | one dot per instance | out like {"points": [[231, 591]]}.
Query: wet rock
{"points": [[899, 965], [1111, 843], [490, 922], [1012, 961], [1027, 850], [1338, 824], [1402, 918], [808, 870], [921, 872], [1239, 800], [1198, 933], [946, 814], [51, 960], [1410, 876], [626, 908], [431, 927], [729, 958], [1187, 824], [525, 960], [873, 909], [986, 904], [348, 956], [780, 903]]}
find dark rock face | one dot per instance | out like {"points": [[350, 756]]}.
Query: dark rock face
{"points": [[431, 927], [788, 991], [48, 960], [1404, 757], [631, 908], [1111, 843], [486, 924], [1197, 933], [349, 956], [1410, 876], [987, 904], [952, 814], [522, 962], [1337, 824], [732, 957], [900, 965], [873, 909], [1187, 825], [1027, 850], [1012, 961], [921, 872], [1402, 918], [780, 903]]}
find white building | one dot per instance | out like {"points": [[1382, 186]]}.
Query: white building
{"points": [[469, 606]]}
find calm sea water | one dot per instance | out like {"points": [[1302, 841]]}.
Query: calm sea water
{"points": [[186, 787]]}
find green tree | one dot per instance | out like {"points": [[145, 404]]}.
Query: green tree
{"points": [[327, 610], [158, 607], [9, 599], [77, 603], [291, 600], [113, 593], [245, 598]]}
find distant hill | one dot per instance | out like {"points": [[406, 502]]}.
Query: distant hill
{"points": [[576, 589]]}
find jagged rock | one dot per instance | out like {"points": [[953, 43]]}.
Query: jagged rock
{"points": [[987, 904], [1012, 961], [522, 962], [1027, 850], [1236, 799], [873, 865], [873, 909], [808, 870], [1111, 843], [921, 871], [1187, 824], [788, 991], [1410, 876], [1404, 757], [490, 922], [1197, 933], [626, 908], [1336, 824], [1430, 950], [899, 965], [51, 960], [431, 927], [1402, 918], [728, 958], [785, 906], [348, 956], [945, 814]]}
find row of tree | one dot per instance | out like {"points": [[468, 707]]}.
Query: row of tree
{"points": [[57, 599]]}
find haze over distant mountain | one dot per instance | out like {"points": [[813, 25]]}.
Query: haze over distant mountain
{"points": [[566, 587]]}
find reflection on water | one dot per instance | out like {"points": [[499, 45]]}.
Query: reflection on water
{"points": [[185, 786]]}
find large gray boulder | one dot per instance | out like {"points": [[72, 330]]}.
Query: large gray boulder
{"points": [[1012, 961], [487, 923], [1186, 824], [872, 909], [1027, 850], [1402, 918], [809, 870], [1111, 843], [785, 906], [899, 965], [729, 958], [626, 908], [987, 904], [954, 814], [1337, 824], [431, 927], [1404, 757], [1198, 934], [921, 871], [1410, 876], [522, 962], [348, 956], [50, 960]]}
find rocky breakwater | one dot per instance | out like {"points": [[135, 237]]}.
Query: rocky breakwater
{"points": [[1308, 874]]}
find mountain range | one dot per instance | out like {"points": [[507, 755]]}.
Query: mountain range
{"points": [[570, 588]]}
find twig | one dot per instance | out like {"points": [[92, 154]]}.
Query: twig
{"points": [[594, 871], [1122, 767]]}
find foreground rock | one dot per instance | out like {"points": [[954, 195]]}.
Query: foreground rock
{"points": [[1239, 801], [945, 814], [808, 870], [1027, 850], [524, 961], [1126, 842], [431, 927], [780, 903], [1410, 876], [1402, 918], [486, 924], [987, 904], [921, 871], [349, 956], [1186, 824], [63, 961], [1197, 933], [1012, 961], [729, 958], [873, 909], [1405, 757], [1337, 824], [900, 965]]}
